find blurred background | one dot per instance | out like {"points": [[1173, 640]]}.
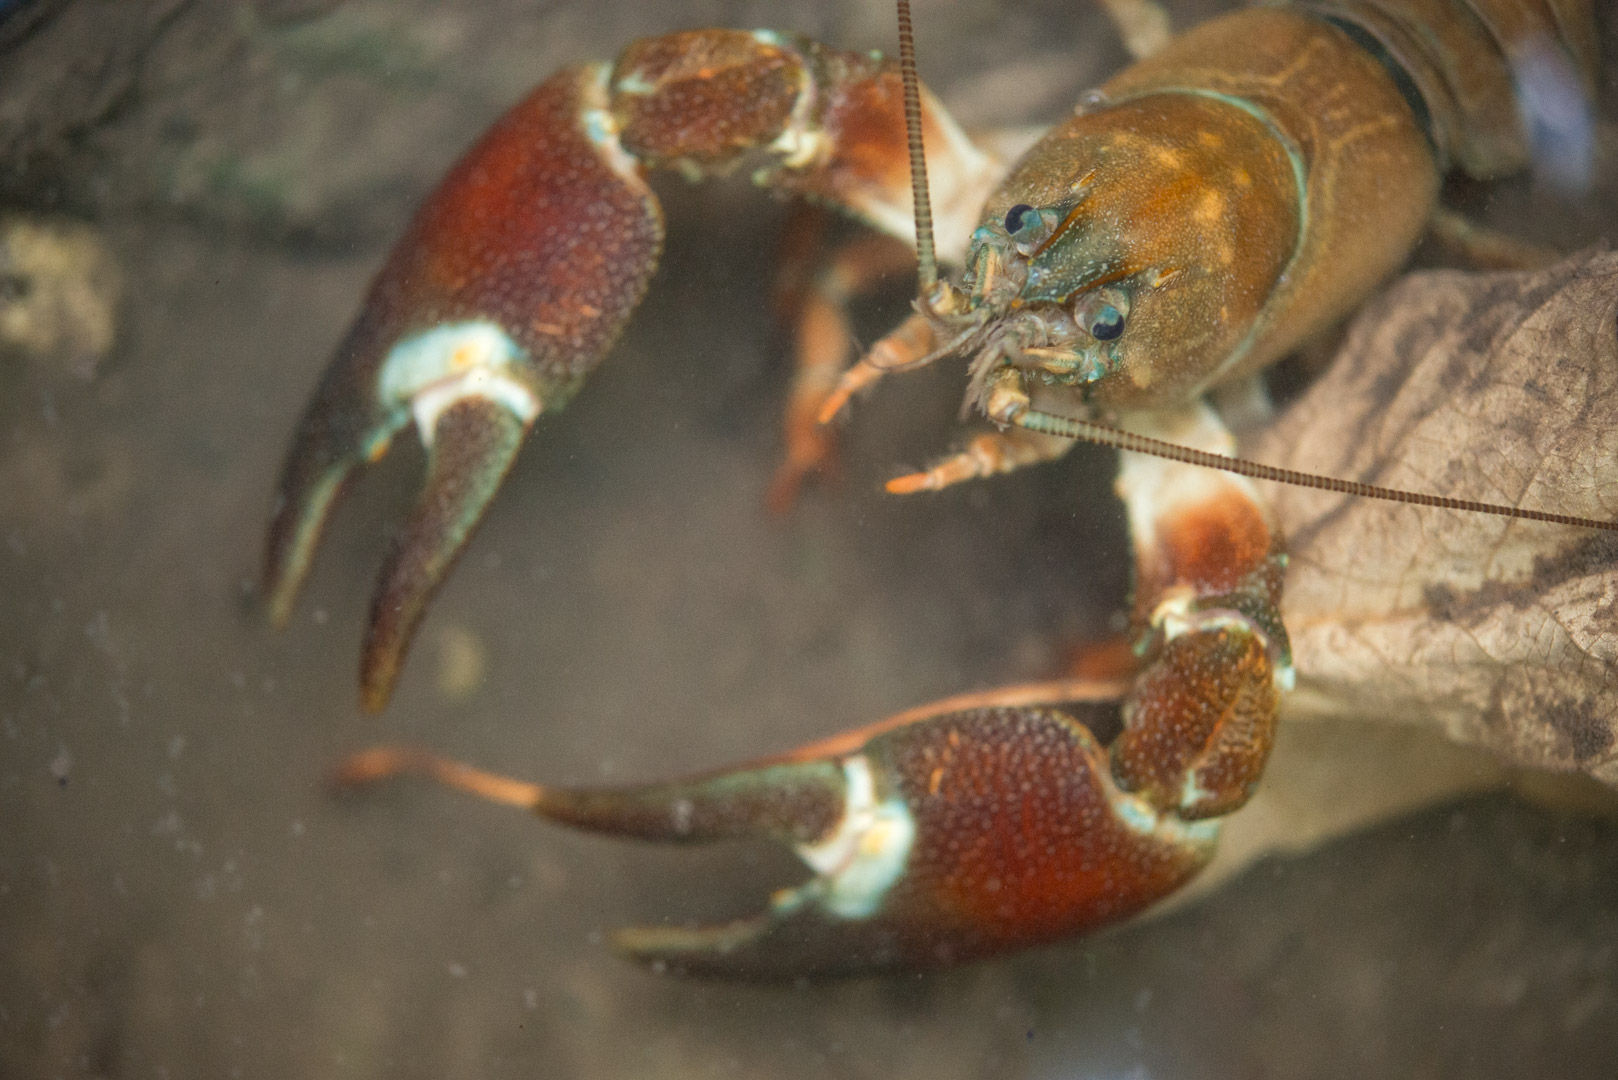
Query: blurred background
{"points": [[195, 193]]}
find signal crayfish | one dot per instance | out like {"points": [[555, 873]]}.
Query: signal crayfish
{"points": [[1235, 192]]}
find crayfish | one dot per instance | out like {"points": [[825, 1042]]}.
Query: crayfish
{"points": [[1197, 217]]}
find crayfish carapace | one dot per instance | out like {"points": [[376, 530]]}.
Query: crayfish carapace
{"points": [[1197, 217]]}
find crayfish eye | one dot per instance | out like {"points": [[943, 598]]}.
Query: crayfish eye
{"points": [[1102, 313], [1107, 323], [1018, 217]]}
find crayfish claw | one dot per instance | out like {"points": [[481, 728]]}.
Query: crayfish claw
{"points": [[724, 950], [914, 862], [307, 494], [512, 282], [472, 445], [341, 429]]}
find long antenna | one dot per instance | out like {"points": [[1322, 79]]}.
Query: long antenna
{"points": [[1067, 427], [927, 269]]}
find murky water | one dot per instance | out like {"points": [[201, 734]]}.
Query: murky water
{"points": [[182, 896]]}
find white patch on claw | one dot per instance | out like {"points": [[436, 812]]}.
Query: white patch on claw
{"points": [[1192, 792], [601, 128], [867, 852], [801, 143], [1173, 613], [635, 85], [433, 370], [1138, 816], [1176, 614]]}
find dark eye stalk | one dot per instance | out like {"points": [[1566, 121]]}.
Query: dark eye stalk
{"points": [[1107, 324], [1102, 314]]}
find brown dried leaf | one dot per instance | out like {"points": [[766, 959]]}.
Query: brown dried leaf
{"points": [[1500, 388]]}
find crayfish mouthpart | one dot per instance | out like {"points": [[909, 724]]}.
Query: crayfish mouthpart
{"points": [[910, 345]]}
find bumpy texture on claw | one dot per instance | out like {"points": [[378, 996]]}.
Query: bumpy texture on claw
{"points": [[969, 828], [961, 836], [522, 268], [513, 280]]}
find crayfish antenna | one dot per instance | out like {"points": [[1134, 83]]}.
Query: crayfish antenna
{"points": [[1102, 435], [926, 258]]}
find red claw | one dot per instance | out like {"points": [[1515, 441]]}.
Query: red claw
{"points": [[513, 280], [972, 827], [523, 266], [968, 834], [993, 821]]}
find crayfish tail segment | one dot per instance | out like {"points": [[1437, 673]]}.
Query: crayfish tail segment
{"points": [[473, 444]]}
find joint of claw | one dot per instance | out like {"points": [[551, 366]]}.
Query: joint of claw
{"points": [[865, 854], [433, 370], [1177, 614]]}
